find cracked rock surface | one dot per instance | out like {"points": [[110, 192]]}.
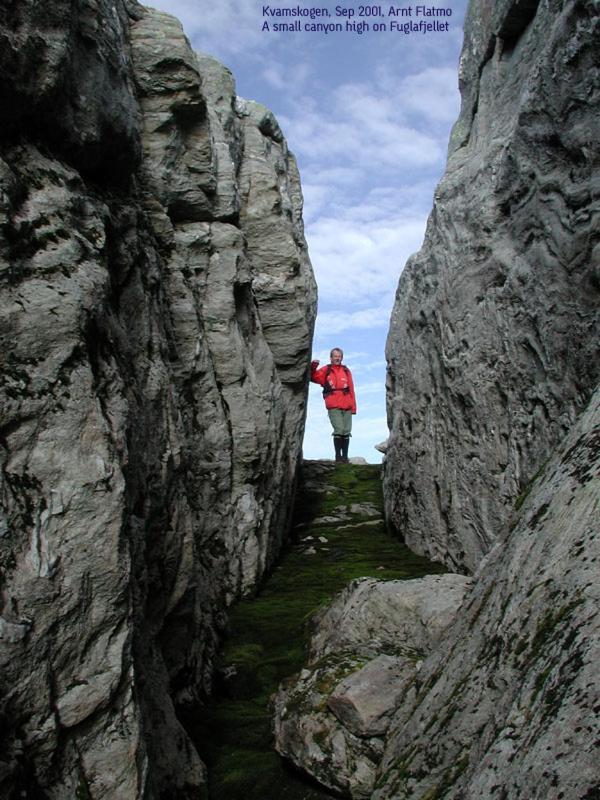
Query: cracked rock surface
{"points": [[155, 325]]}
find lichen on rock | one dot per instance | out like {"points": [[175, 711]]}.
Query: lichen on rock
{"points": [[365, 654], [510, 692]]}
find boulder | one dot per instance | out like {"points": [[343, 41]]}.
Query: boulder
{"points": [[365, 654], [388, 616]]}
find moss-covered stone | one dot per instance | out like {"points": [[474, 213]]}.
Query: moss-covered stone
{"points": [[268, 633]]}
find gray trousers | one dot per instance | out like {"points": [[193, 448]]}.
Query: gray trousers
{"points": [[341, 421]]}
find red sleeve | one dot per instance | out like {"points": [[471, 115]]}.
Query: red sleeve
{"points": [[352, 395], [318, 375]]}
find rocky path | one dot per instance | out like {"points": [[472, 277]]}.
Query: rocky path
{"points": [[339, 535]]}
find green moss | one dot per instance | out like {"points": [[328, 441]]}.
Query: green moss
{"points": [[460, 767], [250, 654], [330, 679], [521, 645], [527, 490], [482, 604], [82, 792], [539, 682], [422, 689], [320, 738], [448, 780], [548, 627], [450, 711], [431, 722], [398, 773], [459, 687], [268, 635]]}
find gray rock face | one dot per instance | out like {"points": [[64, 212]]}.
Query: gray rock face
{"points": [[493, 346], [153, 400], [67, 79], [506, 707], [365, 654], [384, 615]]}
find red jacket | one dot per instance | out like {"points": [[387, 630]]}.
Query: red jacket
{"points": [[336, 380]]}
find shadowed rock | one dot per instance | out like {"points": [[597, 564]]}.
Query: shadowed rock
{"points": [[152, 412]]}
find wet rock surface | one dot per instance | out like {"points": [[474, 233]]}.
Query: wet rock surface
{"points": [[152, 404], [493, 346]]}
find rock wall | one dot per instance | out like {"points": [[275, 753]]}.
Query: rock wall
{"points": [[507, 706], [155, 326], [493, 346]]}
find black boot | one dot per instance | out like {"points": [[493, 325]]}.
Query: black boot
{"points": [[345, 443], [338, 444]]}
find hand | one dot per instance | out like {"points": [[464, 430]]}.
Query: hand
{"points": [[315, 363]]}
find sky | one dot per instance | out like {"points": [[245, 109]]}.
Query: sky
{"points": [[368, 117]]}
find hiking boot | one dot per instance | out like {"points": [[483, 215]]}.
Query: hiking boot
{"points": [[338, 444], [344, 449]]}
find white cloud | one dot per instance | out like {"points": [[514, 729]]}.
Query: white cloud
{"points": [[368, 143], [396, 122], [224, 27], [373, 427], [374, 387], [338, 175], [274, 76], [331, 322], [382, 364], [317, 197], [359, 360], [432, 93], [286, 76], [359, 258]]}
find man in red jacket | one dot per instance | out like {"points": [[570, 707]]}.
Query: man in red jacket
{"points": [[340, 402]]}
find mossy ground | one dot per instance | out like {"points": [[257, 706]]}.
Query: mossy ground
{"points": [[268, 633]]}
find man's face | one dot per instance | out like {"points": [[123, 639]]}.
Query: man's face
{"points": [[336, 356]]}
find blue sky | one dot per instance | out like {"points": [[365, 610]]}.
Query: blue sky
{"points": [[368, 118]]}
